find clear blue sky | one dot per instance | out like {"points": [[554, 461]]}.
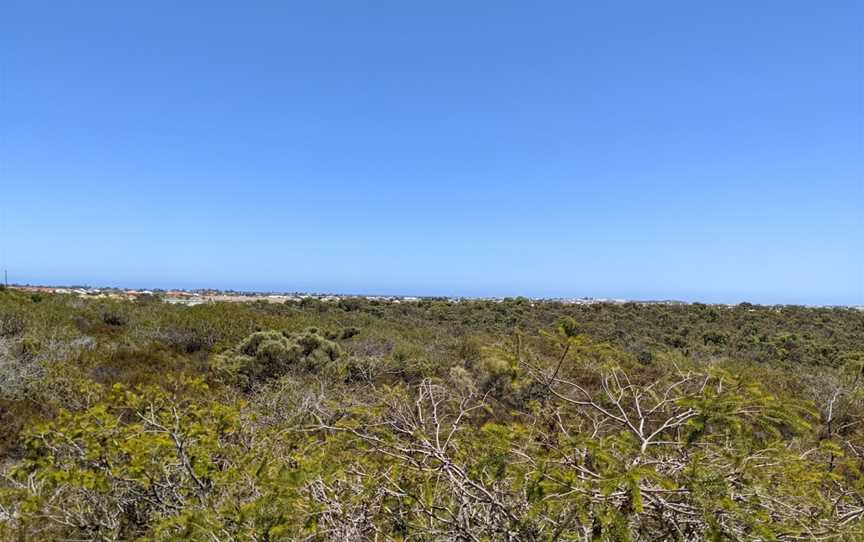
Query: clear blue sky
{"points": [[694, 150]]}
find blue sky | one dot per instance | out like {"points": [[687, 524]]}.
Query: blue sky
{"points": [[695, 150]]}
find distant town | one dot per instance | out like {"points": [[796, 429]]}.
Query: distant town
{"points": [[209, 295]]}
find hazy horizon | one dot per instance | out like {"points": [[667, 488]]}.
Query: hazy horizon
{"points": [[699, 152], [444, 294]]}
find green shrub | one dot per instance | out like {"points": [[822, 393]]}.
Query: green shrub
{"points": [[264, 355]]}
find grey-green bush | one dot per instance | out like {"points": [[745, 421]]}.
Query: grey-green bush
{"points": [[264, 355]]}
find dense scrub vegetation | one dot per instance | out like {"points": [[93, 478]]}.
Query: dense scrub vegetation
{"points": [[428, 421]]}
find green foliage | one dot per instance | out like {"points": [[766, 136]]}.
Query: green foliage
{"points": [[428, 421], [129, 460], [265, 355]]}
